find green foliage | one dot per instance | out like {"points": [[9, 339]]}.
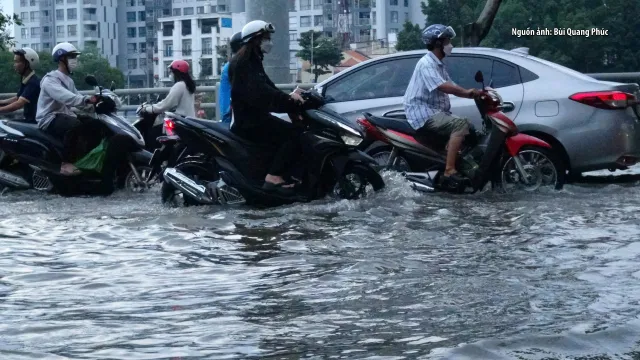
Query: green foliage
{"points": [[410, 37], [6, 21], [90, 62], [326, 52], [618, 51]]}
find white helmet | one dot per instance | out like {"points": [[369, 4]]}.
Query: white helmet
{"points": [[63, 49], [256, 28], [30, 55]]}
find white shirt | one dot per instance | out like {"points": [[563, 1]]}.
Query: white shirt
{"points": [[58, 94], [422, 99], [178, 98]]}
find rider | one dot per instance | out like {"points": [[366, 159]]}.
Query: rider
{"points": [[25, 61], [426, 100], [254, 96], [57, 96], [181, 95], [224, 97]]}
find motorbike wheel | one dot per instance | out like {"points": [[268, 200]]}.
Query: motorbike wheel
{"points": [[541, 165], [353, 183], [382, 153], [196, 170], [133, 185]]}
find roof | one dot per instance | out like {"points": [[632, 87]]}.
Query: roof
{"points": [[357, 55]]}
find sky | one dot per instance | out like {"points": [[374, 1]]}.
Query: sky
{"points": [[7, 8]]}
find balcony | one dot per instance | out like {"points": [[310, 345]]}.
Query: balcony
{"points": [[90, 33], [90, 17], [207, 51], [89, 2], [365, 21]]}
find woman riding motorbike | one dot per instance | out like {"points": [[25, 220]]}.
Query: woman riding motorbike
{"points": [[254, 96], [182, 93]]}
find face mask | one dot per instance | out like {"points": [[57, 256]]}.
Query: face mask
{"points": [[266, 46], [73, 64], [447, 49]]}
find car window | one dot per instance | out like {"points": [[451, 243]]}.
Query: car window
{"points": [[385, 79], [462, 70], [504, 75]]}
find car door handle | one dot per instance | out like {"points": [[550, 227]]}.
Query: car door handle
{"points": [[508, 106]]}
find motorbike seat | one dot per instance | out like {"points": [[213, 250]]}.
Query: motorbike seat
{"points": [[392, 124], [33, 131], [224, 129]]}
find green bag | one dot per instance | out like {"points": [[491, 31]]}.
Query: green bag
{"points": [[94, 160]]}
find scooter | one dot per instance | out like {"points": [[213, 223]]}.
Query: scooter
{"points": [[229, 170], [149, 126], [31, 158], [498, 153]]}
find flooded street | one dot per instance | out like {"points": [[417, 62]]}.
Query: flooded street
{"points": [[398, 275]]}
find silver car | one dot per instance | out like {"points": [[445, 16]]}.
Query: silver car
{"points": [[594, 124]]}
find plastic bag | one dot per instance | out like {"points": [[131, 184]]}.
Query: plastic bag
{"points": [[94, 160]]}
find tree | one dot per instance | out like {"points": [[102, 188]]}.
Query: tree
{"points": [[326, 52], [6, 21], [410, 38]]}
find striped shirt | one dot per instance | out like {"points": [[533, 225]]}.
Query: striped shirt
{"points": [[422, 99]]}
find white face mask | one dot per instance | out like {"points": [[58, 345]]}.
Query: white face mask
{"points": [[73, 64], [266, 46], [447, 49]]}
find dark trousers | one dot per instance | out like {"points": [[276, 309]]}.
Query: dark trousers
{"points": [[280, 134], [66, 128]]}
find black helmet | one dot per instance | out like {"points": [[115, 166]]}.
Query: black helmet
{"points": [[236, 42]]}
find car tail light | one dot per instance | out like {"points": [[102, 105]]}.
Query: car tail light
{"points": [[370, 130], [605, 99], [169, 125]]}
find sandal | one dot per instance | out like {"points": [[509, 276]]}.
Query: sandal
{"points": [[281, 187]]}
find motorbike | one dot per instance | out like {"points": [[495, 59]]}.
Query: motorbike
{"points": [[30, 158], [149, 126], [497, 154], [230, 170]]}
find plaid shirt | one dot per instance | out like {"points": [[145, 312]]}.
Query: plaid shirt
{"points": [[422, 99]]}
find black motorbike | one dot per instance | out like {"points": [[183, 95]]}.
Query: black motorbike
{"points": [[149, 125], [230, 170], [30, 158]]}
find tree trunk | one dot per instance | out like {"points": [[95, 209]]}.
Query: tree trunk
{"points": [[476, 31]]}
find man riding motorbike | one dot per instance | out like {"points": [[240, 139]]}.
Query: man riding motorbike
{"points": [[254, 96], [25, 61], [224, 98], [58, 95], [426, 100]]}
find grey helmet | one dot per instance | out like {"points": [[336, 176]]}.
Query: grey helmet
{"points": [[437, 32]]}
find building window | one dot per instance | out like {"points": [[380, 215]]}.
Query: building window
{"points": [[406, 3], [72, 14], [207, 67], [186, 27], [132, 48], [207, 48], [35, 15], [131, 32], [317, 20], [317, 4], [394, 16], [305, 21], [25, 33], [24, 16], [131, 16], [406, 16], [200, 10], [222, 8], [177, 12], [143, 63], [35, 32], [72, 30], [293, 36], [186, 47], [365, 18], [168, 48], [373, 18], [60, 30], [188, 11], [305, 4], [142, 31], [132, 64], [393, 2], [143, 47], [142, 16], [167, 72], [60, 14]]}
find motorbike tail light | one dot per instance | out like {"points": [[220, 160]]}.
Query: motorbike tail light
{"points": [[169, 125], [370, 130], [611, 100]]}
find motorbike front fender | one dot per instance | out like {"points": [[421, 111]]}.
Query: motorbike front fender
{"points": [[515, 143]]}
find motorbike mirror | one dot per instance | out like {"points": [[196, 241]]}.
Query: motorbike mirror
{"points": [[91, 80], [479, 78]]}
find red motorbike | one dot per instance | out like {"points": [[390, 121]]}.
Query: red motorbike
{"points": [[498, 153]]}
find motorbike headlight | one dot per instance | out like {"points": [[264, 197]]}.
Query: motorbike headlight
{"points": [[350, 139]]}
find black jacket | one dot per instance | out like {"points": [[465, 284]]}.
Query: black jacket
{"points": [[254, 96]]}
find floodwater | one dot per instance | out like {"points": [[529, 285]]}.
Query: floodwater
{"points": [[398, 275]]}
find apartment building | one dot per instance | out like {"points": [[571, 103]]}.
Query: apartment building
{"points": [[194, 38], [80, 22]]}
